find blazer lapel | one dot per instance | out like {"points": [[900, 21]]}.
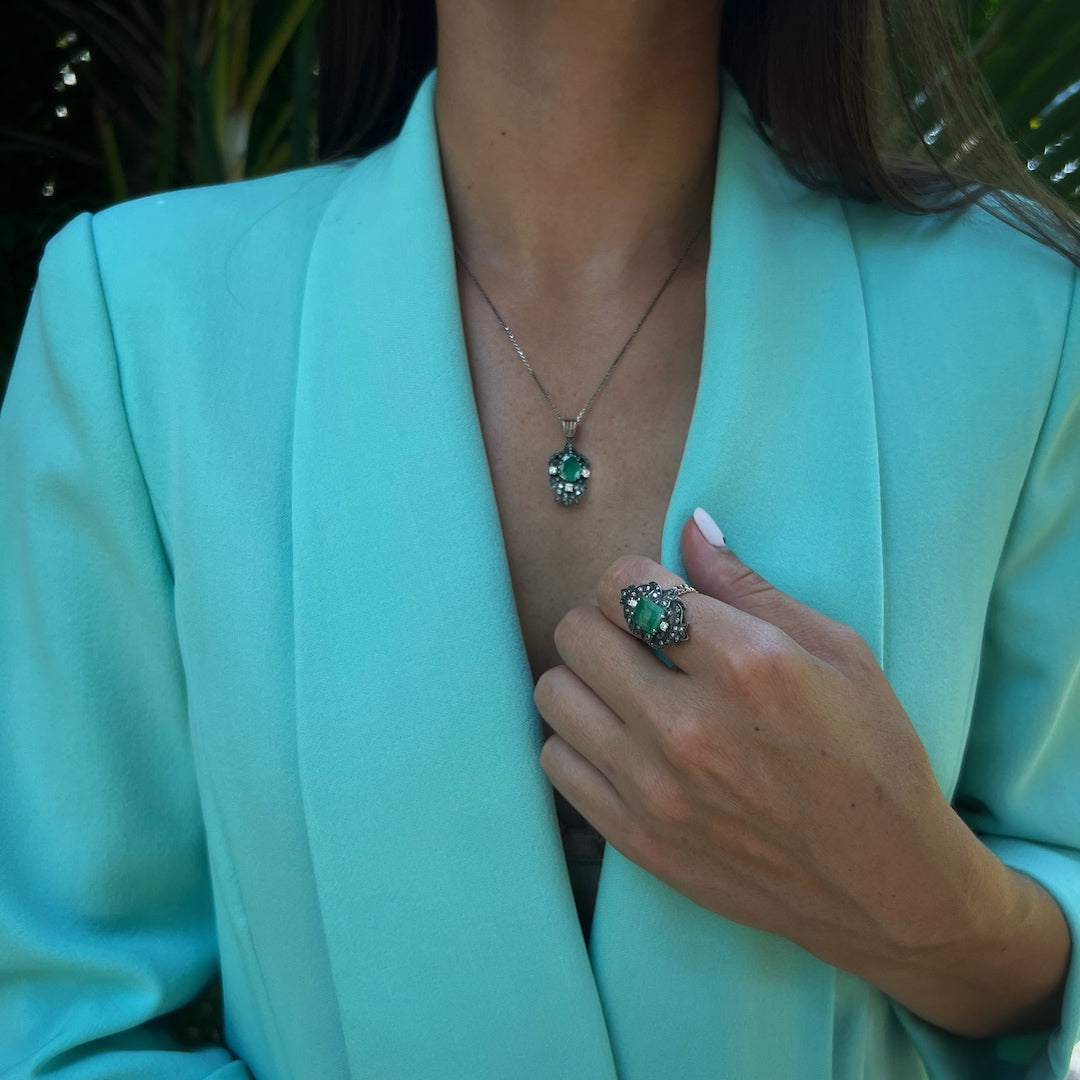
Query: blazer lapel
{"points": [[450, 925], [448, 916], [782, 450]]}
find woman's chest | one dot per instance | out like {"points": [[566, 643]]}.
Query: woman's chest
{"points": [[633, 439], [637, 412]]}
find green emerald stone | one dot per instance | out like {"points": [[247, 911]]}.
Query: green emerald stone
{"points": [[647, 615], [570, 469]]}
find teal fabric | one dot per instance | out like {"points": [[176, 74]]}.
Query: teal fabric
{"points": [[240, 469]]}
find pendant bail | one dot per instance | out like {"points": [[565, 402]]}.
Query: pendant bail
{"points": [[568, 429]]}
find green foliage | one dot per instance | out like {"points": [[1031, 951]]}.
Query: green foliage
{"points": [[1029, 54], [204, 94]]}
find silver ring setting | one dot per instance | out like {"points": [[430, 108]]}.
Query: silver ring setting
{"points": [[654, 614]]}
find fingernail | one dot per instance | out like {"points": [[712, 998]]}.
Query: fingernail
{"points": [[708, 528]]}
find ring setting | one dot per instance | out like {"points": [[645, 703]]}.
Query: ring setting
{"points": [[654, 614]]}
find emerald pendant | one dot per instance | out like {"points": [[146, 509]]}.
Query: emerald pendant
{"points": [[568, 474]]}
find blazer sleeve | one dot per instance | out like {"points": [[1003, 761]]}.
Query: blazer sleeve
{"points": [[106, 915], [1019, 787]]}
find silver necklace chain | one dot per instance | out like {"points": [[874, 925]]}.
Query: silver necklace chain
{"points": [[570, 424]]}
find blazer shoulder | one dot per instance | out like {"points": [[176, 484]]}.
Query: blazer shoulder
{"points": [[195, 216], [202, 287], [967, 276], [971, 246], [195, 231], [214, 255]]}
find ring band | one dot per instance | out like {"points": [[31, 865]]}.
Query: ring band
{"points": [[654, 614]]}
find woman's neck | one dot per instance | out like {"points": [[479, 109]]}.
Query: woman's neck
{"points": [[577, 137]]}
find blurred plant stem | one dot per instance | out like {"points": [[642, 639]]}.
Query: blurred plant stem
{"points": [[110, 153], [235, 87]]}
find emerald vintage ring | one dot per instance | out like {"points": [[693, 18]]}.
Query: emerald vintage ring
{"points": [[656, 615]]}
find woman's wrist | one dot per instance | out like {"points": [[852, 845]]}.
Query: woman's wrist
{"points": [[985, 951]]}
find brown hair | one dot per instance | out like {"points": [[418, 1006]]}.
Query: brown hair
{"points": [[843, 89]]}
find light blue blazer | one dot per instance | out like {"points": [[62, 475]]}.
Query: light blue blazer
{"points": [[265, 700]]}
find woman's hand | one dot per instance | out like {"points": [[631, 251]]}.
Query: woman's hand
{"points": [[775, 779]]}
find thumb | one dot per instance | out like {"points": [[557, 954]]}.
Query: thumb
{"points": [[714, 569]]}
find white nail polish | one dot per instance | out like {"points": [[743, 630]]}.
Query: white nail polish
{"points": [[709, 529]]}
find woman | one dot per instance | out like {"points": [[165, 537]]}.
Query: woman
{"points": [[312, 602]]}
